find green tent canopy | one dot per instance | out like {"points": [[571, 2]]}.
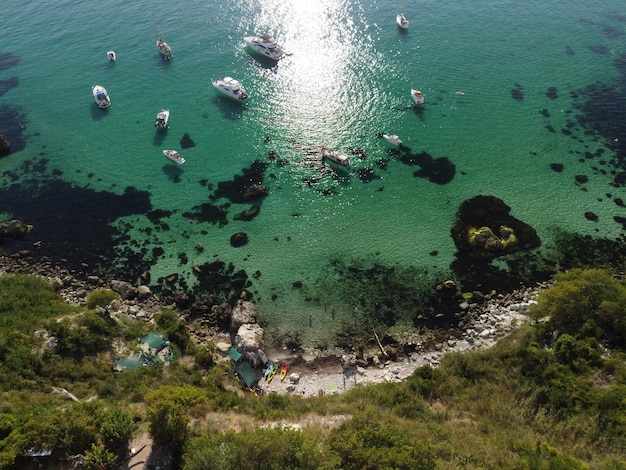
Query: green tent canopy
{"points": [[154, 341], [247, 374], [234, 354]]}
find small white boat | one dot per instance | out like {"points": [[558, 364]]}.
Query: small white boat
{"points": [[164, 48], [402, 21], [417, 96], [231, 88], [392, 139], [265, 45], [174, 156], [162, 118], [101, 96], [111, 56], [336, 157]]}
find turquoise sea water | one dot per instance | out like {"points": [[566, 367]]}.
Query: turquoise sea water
{"points": [[347, 79]]}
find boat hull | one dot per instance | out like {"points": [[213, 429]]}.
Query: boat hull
{"points": [[232, 88], [162, 118], [101, 96], [417, 96], [392, 139], [336, 157], [174, 156], [402, 21], [265, 45], [164, 48]]}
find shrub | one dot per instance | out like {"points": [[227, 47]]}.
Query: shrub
{"points": [[100, 458], [101, 298], [584, 303], [364, 443]]}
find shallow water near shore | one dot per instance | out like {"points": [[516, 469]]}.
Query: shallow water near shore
{"points": [[512, 91]]}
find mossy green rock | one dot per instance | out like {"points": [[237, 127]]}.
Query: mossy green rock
{"points": [[485, 229]]}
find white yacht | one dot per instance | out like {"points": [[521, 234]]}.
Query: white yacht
{"points": [[101, 96], [336, 157], [231, 88], [417, 96], [392, 139], [174, 156], [265, 45], [162, 119], [164, 48], [402, 21]]}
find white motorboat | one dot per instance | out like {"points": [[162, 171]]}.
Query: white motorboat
{"points": [[231, 88], [162, 118], [402, 21], [101, 96], [111, 56], [392, 139], [174, 156], [417, 96], [164, 48], [336, 157], [265, 45]]}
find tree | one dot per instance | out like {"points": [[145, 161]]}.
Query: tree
{"points": [[168, 415], [116, 428]]}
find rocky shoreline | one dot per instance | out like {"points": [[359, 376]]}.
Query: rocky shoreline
{"points": [[481, 323]]}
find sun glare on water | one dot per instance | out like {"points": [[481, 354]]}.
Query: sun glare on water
{"points": [[317, 84]]}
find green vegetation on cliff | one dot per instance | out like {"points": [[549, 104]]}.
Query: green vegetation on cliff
{"points": [[550, 396]]}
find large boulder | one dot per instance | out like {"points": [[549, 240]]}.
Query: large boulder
{"points": [[244, 312], [249, 337], [485, 229], [125, 289], [14, 229]]}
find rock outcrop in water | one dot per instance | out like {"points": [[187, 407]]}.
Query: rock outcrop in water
{"points": [[485, 229], [5, 146], [14, 229]]}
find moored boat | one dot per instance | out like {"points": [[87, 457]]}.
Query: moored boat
{"points": [[392, 139], [336, 157], [162, 118], [231, 88], [265, 45], [164, 48], [417, 96], [111, 56], [101, 96], [174, 156], [402, 21]]}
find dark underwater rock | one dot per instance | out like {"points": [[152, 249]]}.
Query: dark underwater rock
{"points": [[558, 167], [248, 214], [517, 93], [238, 239], [436, 170], [552, 93], [186, 142], [485, 229]]}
